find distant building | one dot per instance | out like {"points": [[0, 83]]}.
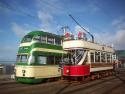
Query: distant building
{"points": [[121, 56], [2, 69], [6, 69]]}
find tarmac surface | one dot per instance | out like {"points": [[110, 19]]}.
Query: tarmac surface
{"points": [[108, 85]]}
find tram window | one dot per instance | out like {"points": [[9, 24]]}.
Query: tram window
{"points": [[108, 58], [58, 41], [41, 60], [27, 38], [66, 60], [23, 58], [18, 58], [103, 57], [92, 57], [57, 60], [37, 38], [50, 40], [97, 56], [43, 39], [50, 60]]}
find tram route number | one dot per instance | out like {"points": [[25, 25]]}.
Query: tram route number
{"points": [[23, 72]]}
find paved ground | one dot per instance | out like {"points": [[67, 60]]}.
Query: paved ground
{"points": [[109, 85]]}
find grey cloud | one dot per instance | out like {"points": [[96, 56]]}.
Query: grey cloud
{"points": [[119, 23], [109, 38], [20, 31]]}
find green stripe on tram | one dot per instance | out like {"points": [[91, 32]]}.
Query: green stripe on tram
{"points": [[29, 80], [44, 45], [27, 49]]}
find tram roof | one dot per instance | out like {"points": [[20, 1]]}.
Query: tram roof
{"points": [[33, 33], [79, 44]]}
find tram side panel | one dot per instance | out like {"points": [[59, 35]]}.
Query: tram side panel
{"points": [[76, 70], [83, 70]]}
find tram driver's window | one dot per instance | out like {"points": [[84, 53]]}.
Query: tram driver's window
{"points": [[18, 58], [23, 58]]}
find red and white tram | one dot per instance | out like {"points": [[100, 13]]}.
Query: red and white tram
{"points": [[86, 57]]}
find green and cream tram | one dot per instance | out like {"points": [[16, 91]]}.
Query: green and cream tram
{"points": [[38, 57]]}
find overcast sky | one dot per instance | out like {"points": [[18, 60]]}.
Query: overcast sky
{"points": [[105, 19]]}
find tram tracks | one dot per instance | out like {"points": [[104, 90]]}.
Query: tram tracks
{"points": [[78, 87], [101, 83], [58, 87]]}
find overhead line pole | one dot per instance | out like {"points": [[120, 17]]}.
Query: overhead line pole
{"points": [[82, 27]]}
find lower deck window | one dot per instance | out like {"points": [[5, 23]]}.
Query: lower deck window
{"points": [[41, 60], [51, 60]]}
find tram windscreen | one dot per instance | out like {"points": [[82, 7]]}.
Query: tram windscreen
{"points": [[74, 57], [22, 58], [27, 38]]}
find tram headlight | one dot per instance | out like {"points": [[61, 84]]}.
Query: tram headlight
{"points": [[67, 71]]}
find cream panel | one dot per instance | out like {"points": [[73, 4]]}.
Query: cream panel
{"points": [[38, 71], [85, 44], [47, 72], [29, 71], [25, 44], [49, 50], [100, 69]]}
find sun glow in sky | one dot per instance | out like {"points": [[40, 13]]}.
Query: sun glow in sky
{"points": [[105, 19]]}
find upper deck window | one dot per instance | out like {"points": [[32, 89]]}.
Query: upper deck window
{"points": [[50, 40], [43, 39], [58, 41], [27, 38], [37, 38]]}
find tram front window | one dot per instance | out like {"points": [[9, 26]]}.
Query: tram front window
{"points": [[22, 58], [27, 38], [74, 57], [67, 61]]}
